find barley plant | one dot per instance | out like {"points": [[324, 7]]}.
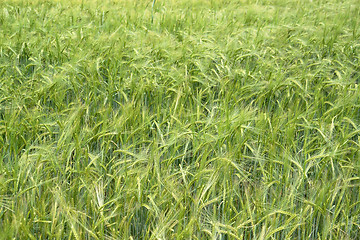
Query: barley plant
{"points": [[179, 119]]}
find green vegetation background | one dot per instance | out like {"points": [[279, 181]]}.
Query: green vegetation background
{"points": [[184, 120]]}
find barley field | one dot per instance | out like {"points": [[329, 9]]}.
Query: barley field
{"points": [[187, 119]]}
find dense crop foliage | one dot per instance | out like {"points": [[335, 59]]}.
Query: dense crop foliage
{"points": [[184, 119]]}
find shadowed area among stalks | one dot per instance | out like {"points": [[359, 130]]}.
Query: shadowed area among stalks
{"points": [[182, 120]]}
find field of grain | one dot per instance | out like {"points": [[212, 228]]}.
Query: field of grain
{"points": [[208, 119]]}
